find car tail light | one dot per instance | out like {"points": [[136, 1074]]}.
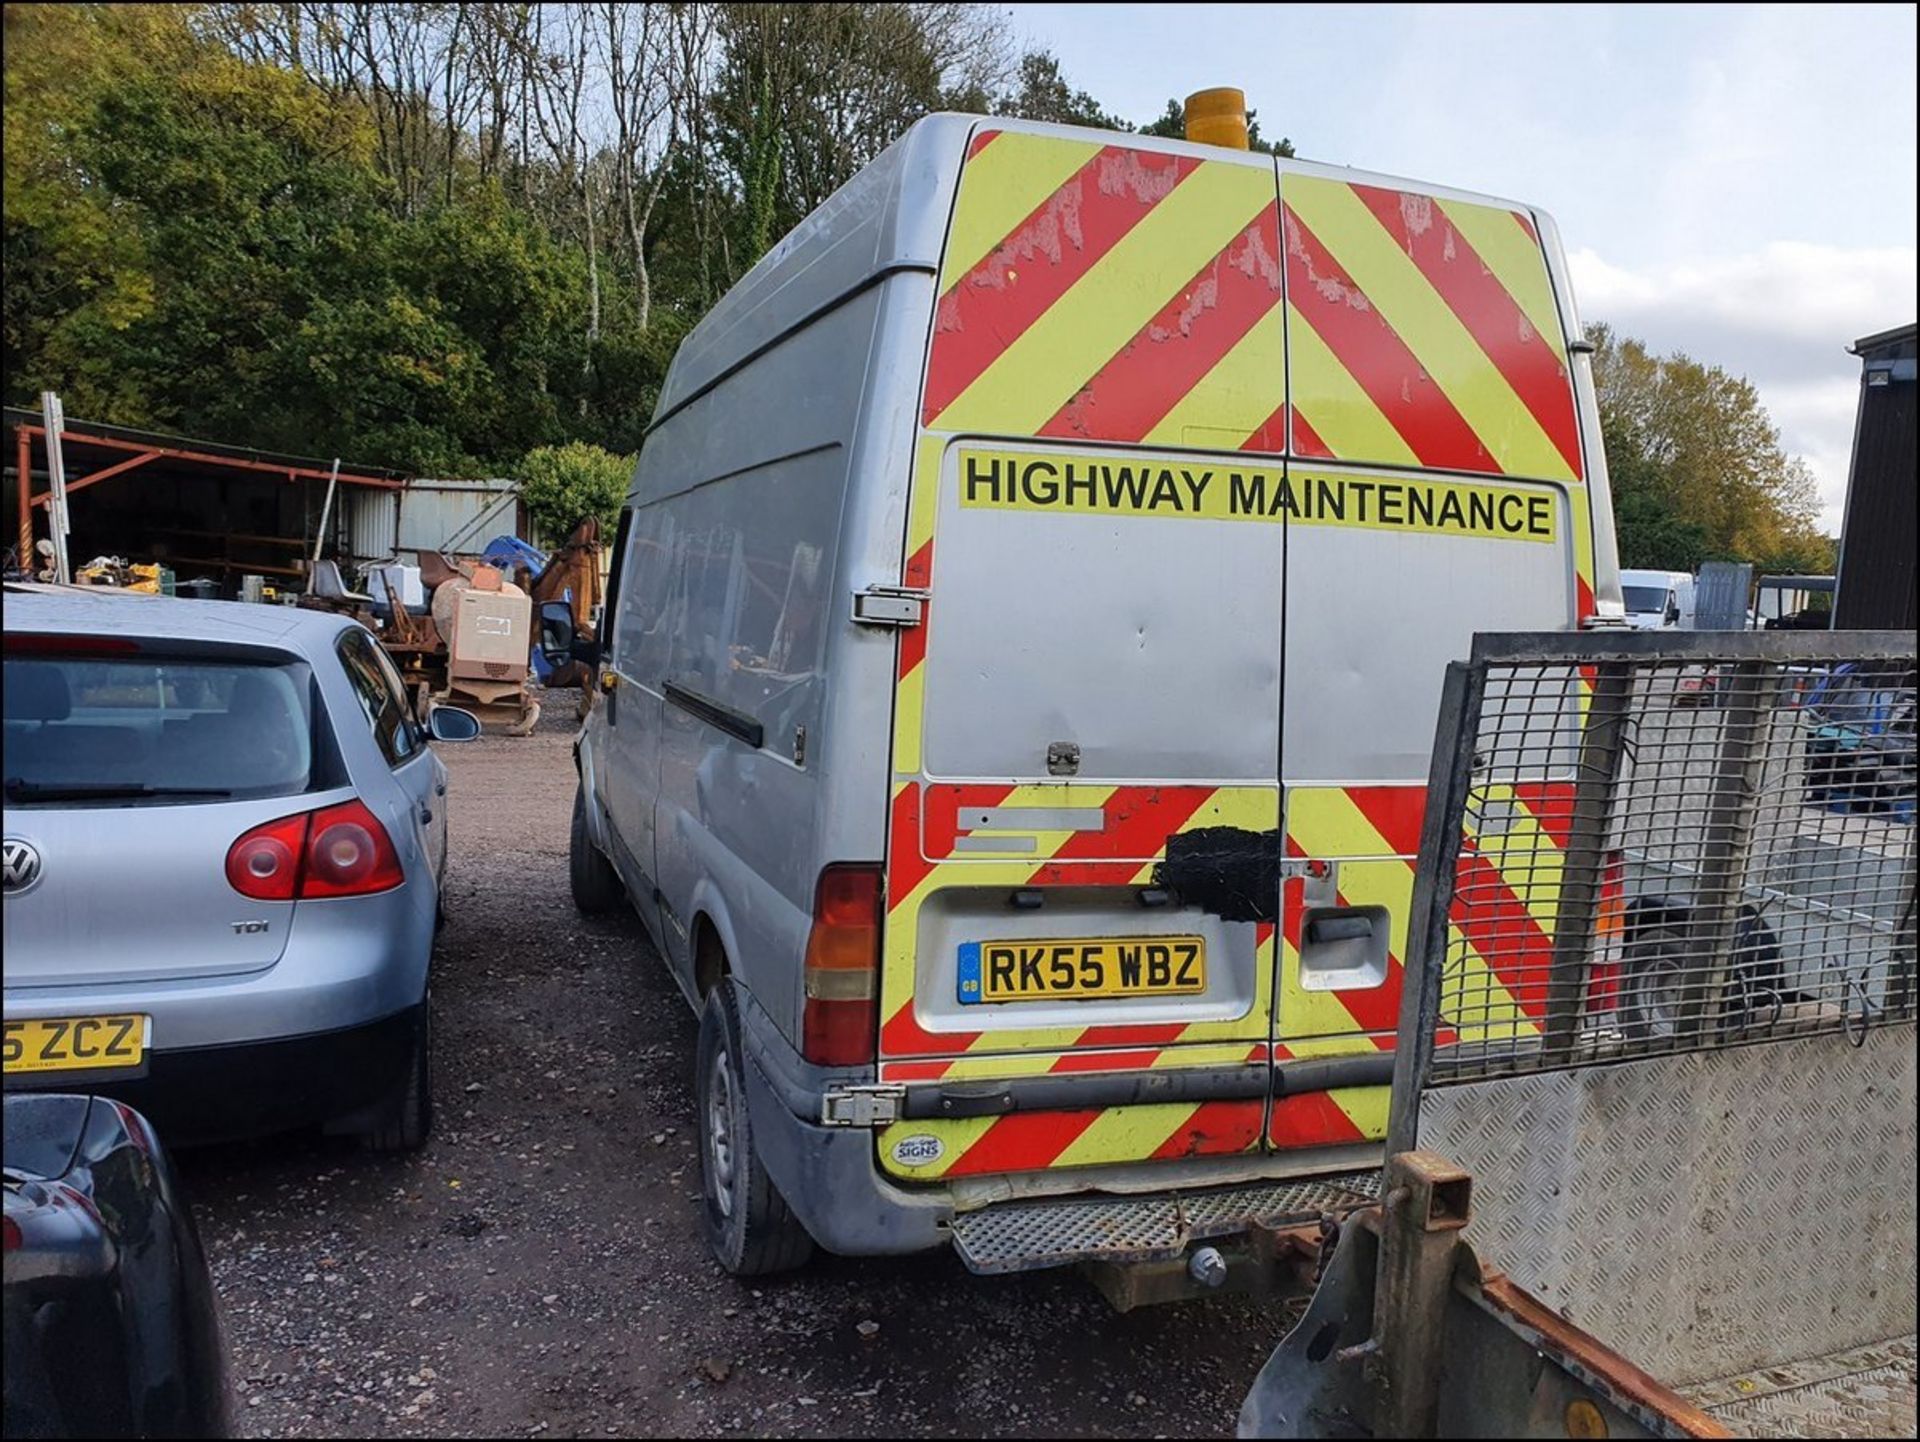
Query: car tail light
{"points": [[842, 972], [265, 863], [349, 854], [337, 851]]}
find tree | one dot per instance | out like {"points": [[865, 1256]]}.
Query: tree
{"points": [[434, 236], [1696, 462], [1041, 92], [806, 94], [1172, 125], [564, 485], [238, 266]]}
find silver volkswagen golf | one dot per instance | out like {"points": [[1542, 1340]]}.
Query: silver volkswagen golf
{"points": [[225, 834]]}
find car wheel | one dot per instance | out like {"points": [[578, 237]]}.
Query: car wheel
{"points": [[408, 1118], [596, 885], [749, 1225], [1652, 984], [1662, 957]]}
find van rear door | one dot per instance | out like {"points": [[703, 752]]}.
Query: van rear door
{"points": [[1438, 464], [1082, 882], [1197, 435]]}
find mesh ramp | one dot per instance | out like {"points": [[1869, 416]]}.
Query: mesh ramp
{"points": [[1862, 1392], [1052, 1232]]}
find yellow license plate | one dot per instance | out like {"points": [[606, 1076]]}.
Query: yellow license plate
{"points": [[1067, 968], [78, 1043]]}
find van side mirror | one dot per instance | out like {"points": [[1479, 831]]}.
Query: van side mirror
{"points": [[558, 641], [450, 723], [1673, 611]]}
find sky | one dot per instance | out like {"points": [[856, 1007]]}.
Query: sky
{"points": [[1732, 181]]}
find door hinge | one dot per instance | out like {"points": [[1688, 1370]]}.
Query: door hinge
{"points": [[863, 1105], [896, 606]]}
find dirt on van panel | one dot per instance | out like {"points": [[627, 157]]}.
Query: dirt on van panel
{"points": [[538, 1269]]}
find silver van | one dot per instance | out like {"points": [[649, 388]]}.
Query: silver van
{"points": [[1020, 666]]}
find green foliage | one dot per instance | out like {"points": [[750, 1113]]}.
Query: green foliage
{"points": [[306, 228], [563, 485], [260, 288], [1652, 537], [1696, 464], [1042, 93]]}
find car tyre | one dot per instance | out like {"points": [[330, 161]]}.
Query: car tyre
{"points": [[408, 1118], [748, 1223], [596, 885]]}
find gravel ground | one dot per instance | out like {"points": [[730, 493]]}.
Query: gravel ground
{"points": [[538, 1268]]}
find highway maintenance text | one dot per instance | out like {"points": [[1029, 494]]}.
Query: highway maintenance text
{"points": [[1209, 490]]}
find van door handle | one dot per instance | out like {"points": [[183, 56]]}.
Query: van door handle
{"points": [[426, 814], [1338, 928]]}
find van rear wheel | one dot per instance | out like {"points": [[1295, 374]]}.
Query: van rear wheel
{"points": [[749, 1225], [595, 884]]}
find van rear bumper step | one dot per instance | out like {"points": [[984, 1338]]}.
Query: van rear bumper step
{"points": [[1030, 1236]]}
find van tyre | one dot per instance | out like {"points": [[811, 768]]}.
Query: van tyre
{"points": [[596, 885], [407, 1119], [749, 1225]]}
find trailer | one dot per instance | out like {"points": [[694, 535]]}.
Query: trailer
{"points": [[1650, 1164]]}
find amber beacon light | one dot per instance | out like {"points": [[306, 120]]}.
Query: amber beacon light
{"points": [[1218, 117]]}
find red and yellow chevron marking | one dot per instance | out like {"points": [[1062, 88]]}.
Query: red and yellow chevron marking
{"points": [[1109, 293], [1424, 332], [1501, 925]]}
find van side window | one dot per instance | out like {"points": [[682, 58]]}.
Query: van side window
{"points": [[382, 697], [610, 603], [748, 608], [648, 581]]}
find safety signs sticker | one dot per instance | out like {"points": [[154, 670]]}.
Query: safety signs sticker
{"points": [[1133, 485]]}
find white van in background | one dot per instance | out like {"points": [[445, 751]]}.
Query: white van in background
{"points": [[1658, 600]]}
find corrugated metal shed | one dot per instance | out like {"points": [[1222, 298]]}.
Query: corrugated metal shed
{"points": [[371, 521], [457, 515], [452, 516], [1878, 569]]}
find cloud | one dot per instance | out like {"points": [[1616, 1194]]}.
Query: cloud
{"points": [[1782, 316]]}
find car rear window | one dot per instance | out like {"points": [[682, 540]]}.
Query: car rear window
{"points": [[157, 730]]}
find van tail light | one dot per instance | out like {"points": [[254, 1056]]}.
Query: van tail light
{"points": [[1603, 983], [337, 851], [839, 1021]]}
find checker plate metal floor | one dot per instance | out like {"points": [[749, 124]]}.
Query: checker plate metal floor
{"points": [[1026, 1236], [1864, 1392]]}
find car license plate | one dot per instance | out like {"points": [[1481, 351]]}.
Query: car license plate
{"points": [[1063, 968], [80, 1043]]}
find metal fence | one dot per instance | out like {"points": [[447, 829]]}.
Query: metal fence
{"points": [[1662, 842]]}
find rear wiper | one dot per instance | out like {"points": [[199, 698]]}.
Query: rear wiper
{"points": [[22, 790]]}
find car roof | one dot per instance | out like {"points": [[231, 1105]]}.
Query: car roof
{"points": [[103, 610]]}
